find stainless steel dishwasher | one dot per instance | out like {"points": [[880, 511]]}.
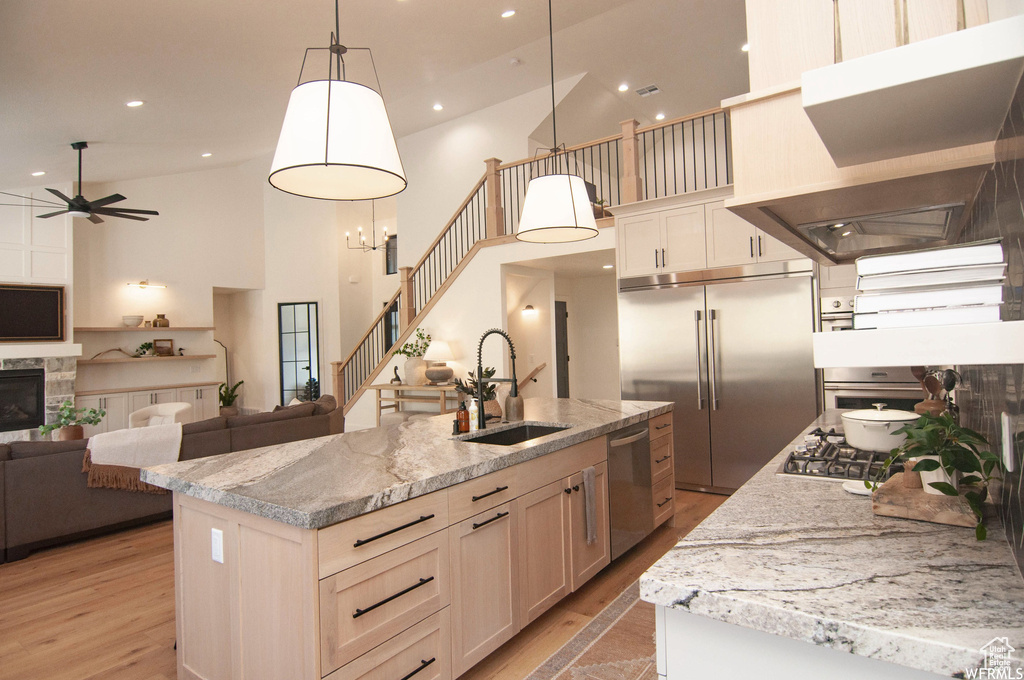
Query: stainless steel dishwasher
{"points": [[630, 496]]}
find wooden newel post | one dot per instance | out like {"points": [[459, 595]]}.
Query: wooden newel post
{"points": [[338, 373], [495, 219], [407, 301], [632, 191]]}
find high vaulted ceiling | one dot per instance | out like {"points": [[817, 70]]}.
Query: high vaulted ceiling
{"points": [[215, 75]]}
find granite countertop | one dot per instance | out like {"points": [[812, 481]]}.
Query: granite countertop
{"points": [[804, 559], [314, 483]]}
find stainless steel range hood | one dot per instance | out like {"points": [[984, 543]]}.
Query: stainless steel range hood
{"points": [[912, 228]]}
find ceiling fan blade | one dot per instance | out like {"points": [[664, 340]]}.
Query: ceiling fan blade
{"points": [[28, 198], [113, 198], [95, 219], [60, 196], [108, 211], [111, 213], [53, 214]]}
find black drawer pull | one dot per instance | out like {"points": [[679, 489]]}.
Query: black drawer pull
{"points": [[423, 581], [488, 521], [662, 460], [423, 664], [490, 493], [575, 487], [662, 427], [568, 490], [364, 541], [664, 501]]}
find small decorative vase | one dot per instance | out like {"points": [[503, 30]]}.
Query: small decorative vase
{"points": [[415, 371], [229, 411], [161, 322], [70, 433], [938, 475], [492, 409]]}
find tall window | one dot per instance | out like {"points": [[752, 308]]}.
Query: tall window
{"points": [[391, 256], [298, 329]]}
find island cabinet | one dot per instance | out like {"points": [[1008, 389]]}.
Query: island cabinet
{"points": [[426, 587]]}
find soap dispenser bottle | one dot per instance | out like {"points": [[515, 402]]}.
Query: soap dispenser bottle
{"points": [[474, 413], [463, 417]]}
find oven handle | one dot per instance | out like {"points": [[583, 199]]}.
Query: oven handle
{"points": [[872, 387]]}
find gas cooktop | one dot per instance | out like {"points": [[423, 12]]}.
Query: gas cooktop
{"points": [[826, 455]]}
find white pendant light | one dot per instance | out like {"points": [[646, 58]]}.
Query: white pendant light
{"points": [[556, 208], [336, 140]]}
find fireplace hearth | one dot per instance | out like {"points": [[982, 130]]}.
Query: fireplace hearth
{"points": [[22, 399]]}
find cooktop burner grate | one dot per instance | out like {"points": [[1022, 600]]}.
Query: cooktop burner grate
{"points": [[826, 455]]}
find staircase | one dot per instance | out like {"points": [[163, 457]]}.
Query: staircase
{"points": [[675, 157]]}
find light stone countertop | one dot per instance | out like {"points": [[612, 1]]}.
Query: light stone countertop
{"points": [[804, 559], [314, 483]]}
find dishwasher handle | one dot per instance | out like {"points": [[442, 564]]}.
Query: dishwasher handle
{"points": [[625, 441]]}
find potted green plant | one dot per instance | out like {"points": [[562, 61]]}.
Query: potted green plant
{"points": [[70, 421], [490, 405], [940, 444], [415, 368], [228, 395], [145, 350]]}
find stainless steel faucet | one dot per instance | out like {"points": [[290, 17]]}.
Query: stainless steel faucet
{"points": [[480, 373]]}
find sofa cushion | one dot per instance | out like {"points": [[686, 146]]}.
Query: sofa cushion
{"points": [[203, 444], [280, 432], [21, 450], [325, 404], [208, 425], [300, 411], [5, 452]]}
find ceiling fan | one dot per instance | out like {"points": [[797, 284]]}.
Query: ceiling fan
{"points": [[91, 210]]}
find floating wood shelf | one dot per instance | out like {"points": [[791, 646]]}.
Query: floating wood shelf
{"points": [[137, 329], [148, 388], [140, 360]]}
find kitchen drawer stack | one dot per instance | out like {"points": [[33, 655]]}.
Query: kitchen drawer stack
{"points": [[662, 467]]}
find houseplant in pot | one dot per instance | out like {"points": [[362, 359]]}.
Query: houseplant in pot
{"points": [[415, 369], [939, 444], [490, 406], [228, 396], [70, 421]]}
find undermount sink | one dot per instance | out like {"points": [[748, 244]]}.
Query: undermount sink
{"points": [[515, 435]]}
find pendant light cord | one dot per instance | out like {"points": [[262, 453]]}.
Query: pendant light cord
{"points": [[551, 47]]}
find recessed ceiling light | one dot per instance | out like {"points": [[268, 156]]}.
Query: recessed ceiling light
{"points": [[134, 103], [608, 266], [508, 13], [438, 107], [623, 87], [745, 48], [38, 174], [660, 116], [206, 155]]}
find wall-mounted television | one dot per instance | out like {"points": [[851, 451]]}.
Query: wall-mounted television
{"points": [[31, 313]]}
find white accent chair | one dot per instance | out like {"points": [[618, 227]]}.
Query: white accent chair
{"points": [[161, 414]]}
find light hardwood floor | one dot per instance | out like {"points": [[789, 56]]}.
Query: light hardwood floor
{"points": [[103, 609]]}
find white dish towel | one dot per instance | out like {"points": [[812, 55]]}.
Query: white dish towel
{"points": [[139, 447], [590, 502]]}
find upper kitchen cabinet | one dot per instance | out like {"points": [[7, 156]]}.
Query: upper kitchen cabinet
{"points": [[731, 240], [812, 167]]}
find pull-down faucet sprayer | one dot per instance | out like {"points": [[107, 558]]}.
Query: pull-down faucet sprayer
{"points": [[480, 372]]}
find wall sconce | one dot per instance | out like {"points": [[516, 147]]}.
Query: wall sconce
{"points": [[145, 284], [529, 311]]}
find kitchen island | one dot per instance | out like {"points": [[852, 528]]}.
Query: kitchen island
{"points": [[400, 549], [789, 561]]}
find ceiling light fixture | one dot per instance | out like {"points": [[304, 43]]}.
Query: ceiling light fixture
{"points": [[135, 103], [623, 87], [145, 284], [508, 13], [608, 266], [745, 47], [39, 174], [206, 155], [438, 107], [556, 208], [660, 116], [336, 141], [362, 244]]}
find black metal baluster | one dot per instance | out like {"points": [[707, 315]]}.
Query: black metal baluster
{"points": [[704, 147]]}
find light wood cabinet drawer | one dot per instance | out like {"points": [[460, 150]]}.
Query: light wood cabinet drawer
{"points": [[664, 500], [423, 650], [533, 474], [366, 605], [482, 493], [362, 538], [660, 425], [661, 457]]}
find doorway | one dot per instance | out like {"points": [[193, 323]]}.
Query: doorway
{"points": [[562, 349], [298, 338]]}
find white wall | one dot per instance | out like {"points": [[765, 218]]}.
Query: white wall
{"points": [[593, 334], [533, 335]]}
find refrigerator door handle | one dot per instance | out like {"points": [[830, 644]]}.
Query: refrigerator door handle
{"points": [[700, 377], [712, 359]]}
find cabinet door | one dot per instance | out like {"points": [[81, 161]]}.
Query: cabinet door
{"points": [[210, 398], [544, 577], [639, 245], [190, 395], [773, 250], [682, 239], [95, 402], [116, 406], [730, 238], [485, 590], [588, 559]]}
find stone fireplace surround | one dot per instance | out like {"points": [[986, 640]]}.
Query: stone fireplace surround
{"points": [[60, 386]]}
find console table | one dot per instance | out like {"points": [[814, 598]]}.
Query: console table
{"points": [[429, 394]]}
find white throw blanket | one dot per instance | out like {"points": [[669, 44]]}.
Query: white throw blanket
{"points": [[137, 447]]}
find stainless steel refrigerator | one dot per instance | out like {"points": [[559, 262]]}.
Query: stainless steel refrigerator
{"points": [[733, 354]]}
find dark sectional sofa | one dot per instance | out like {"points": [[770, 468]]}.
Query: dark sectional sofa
{"points": [[44, 499]]}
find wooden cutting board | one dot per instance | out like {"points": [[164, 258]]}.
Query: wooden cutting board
{"points": [[892, 499]]}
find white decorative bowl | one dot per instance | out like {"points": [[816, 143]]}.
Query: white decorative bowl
{"points": [[132, 321]]}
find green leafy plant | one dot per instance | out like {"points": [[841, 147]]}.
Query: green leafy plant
{"points": [[469, 387], [228, 395], [417, 348], [958, 449], [68, 415], [143, 349]]}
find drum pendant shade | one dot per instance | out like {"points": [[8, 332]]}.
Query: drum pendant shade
{"points": [[556, 210], [336, 143]]}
